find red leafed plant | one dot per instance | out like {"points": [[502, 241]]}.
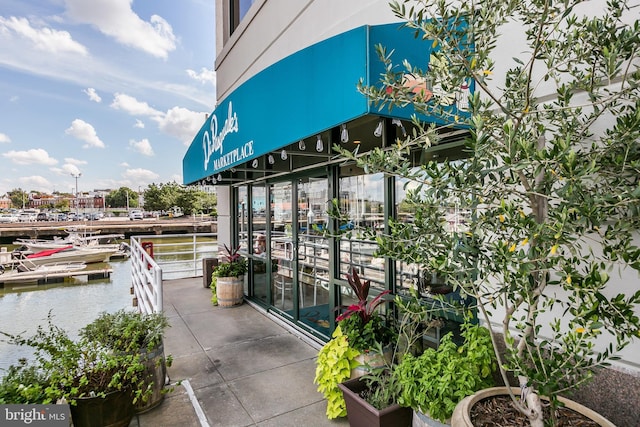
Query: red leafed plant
{"points": [[234, 265], [364, 327], [362, 308]]}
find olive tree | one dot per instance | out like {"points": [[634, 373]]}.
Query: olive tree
{"points": [[551, 182]]}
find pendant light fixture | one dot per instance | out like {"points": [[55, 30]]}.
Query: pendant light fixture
{"points": [[378, 132]]}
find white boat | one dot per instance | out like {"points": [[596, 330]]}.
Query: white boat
{"points": [[26, 272], [78, 239], [67, 254]]}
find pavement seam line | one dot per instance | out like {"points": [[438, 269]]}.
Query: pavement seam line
{"points": [[196, 405]]}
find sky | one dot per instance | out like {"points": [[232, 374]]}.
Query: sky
{"points": [[113, 90]]}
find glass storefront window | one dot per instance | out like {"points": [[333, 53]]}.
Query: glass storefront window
{"points": [[361, 204], [413, 275], [243, 218]]}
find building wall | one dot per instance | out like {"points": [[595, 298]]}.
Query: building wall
{"points": [[275, 29]]}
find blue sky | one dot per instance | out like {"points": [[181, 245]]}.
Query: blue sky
{"points": [[112, 89]]}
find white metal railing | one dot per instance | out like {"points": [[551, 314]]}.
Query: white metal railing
{"points": [[158, 257], [146, 276]]}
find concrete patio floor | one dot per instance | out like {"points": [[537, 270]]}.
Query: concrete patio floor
{"points": [[237, 367]]}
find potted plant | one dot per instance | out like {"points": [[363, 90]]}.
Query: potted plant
{"points": [[356, 345], [133, 332], [550, 185], [229, 277], [364, 326], [371, 400], [100, 385], [433, 382]]}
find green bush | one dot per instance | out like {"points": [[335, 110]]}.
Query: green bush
{"points": [[434, 382]]}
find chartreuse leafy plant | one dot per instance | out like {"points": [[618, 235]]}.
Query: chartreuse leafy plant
{"points": [[335, 361], [434, 382], [551, 182]]}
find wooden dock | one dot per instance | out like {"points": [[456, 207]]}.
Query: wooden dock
{"points": [[44, 277]]}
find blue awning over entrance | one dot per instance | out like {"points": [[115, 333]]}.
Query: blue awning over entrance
{"points": [[302, 95]]}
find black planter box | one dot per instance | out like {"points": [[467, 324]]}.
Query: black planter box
{"points": [[362, 414]]}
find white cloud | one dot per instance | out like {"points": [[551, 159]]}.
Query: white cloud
{"points": [[139, 124], [116, 19], [182, 123], [140, 175], [44, 39], [84, 132], [134, 107], [73, 161], [93, 95], [30, 157], [4, 138], [142, 147], [14, 98], [124, 164], [205, 76], [35, 182], [67, 169]]}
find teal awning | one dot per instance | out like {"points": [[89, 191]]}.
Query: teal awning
{"points": [[302, 95]]}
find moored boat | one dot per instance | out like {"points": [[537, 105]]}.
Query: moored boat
{"points": [[67, 253]]}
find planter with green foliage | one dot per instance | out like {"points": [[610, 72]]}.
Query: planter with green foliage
{"points": [[79, 369], [138, 333], [435, 381], [356, 346], [230, 278]]}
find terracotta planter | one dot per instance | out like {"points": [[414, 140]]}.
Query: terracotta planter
{"points": [[460, 417], [362, 414], [230, 291]]}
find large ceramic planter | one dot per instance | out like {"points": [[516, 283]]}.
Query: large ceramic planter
{"points": [[230, 291], [424, 420], [362, 414], [114, 410], [155, 372], [461, 418]]}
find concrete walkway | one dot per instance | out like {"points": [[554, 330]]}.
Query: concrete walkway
{"points": [[238, 367]]}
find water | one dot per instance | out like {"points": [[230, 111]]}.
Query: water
{"points": [[73, 304]]}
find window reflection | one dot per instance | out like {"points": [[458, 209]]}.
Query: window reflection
{"points": [[361, 204]]}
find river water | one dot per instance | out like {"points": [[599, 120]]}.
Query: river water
{"points": [[72, 304]]}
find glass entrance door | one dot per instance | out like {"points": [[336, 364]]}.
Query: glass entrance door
{"points": [[283, 250], [313, 254], [300, 253]]}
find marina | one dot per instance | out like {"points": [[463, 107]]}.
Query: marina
{"points": [[74, 302]]}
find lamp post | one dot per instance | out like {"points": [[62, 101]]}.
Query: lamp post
{"points": [[76, 176]]}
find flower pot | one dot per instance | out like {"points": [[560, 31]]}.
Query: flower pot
{"points": [[230, 291], [154, 374], [361, 414], [113, 410], [424, 420], [461, 418]]}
